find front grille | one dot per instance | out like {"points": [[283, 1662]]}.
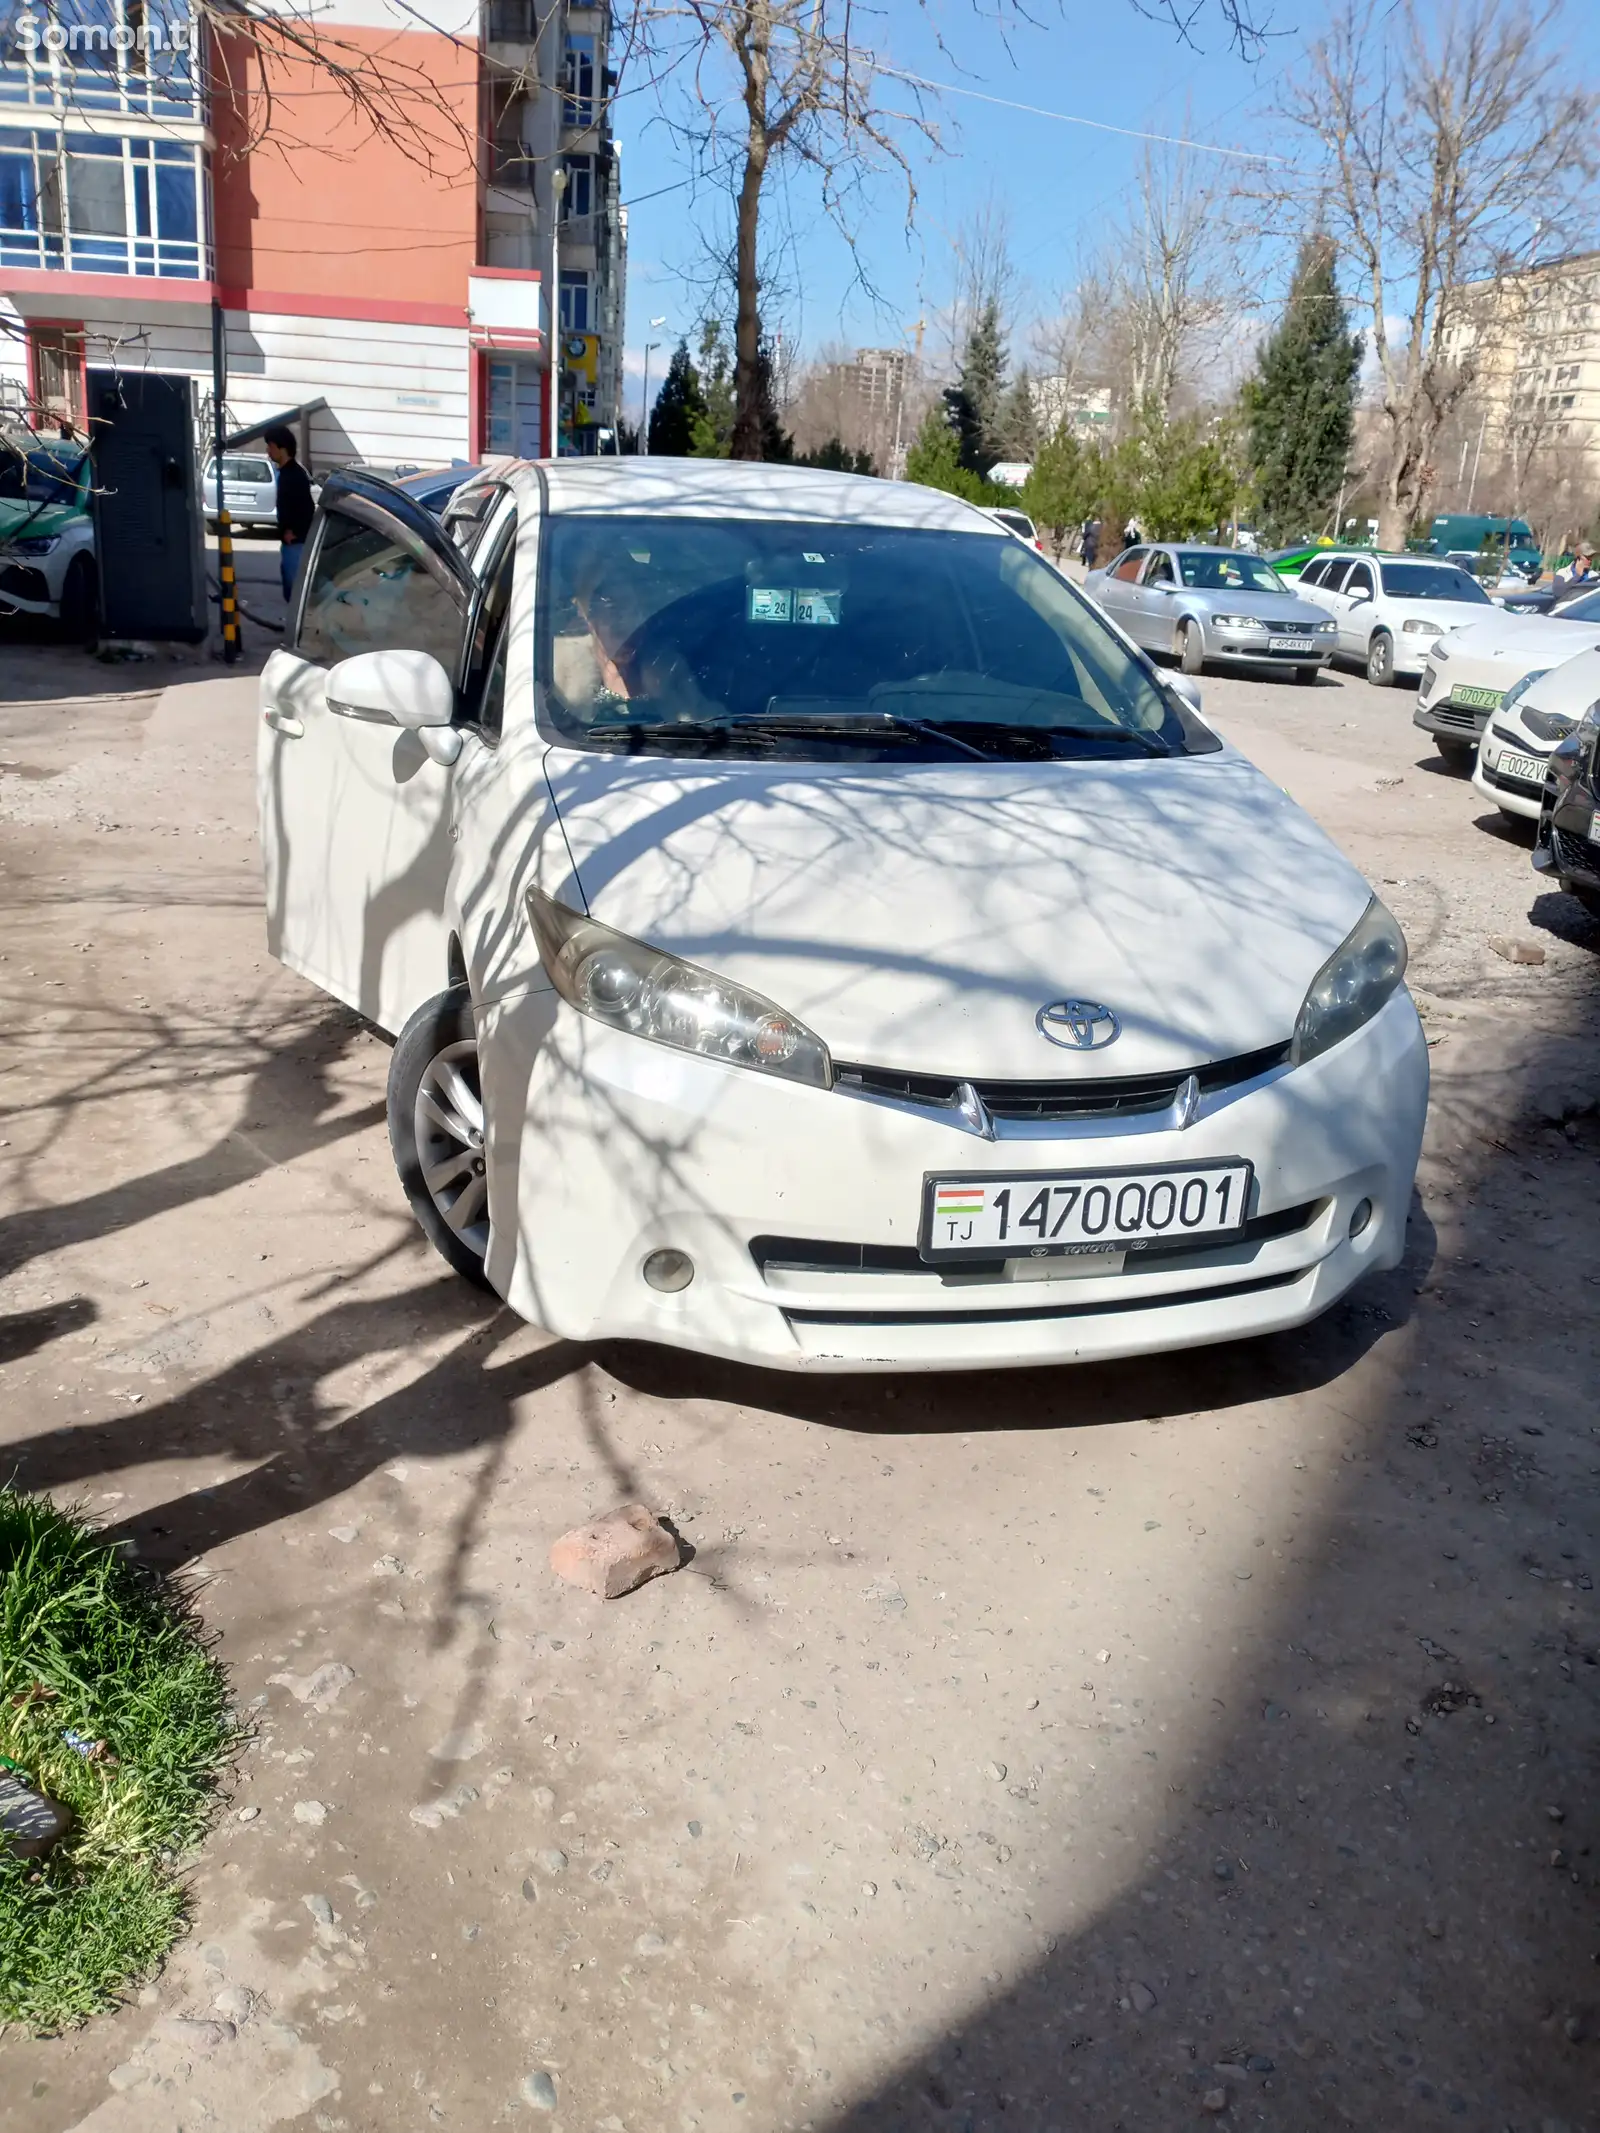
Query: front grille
{"points": [[26, 583], [1128, 1096], [811, 1255], [1529, 788], [1573, 855], [1449, 714]]}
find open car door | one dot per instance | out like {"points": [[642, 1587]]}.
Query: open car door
{"points": [[354, 811]]}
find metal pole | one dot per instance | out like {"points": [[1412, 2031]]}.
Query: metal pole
{"points": [[558, 185], [227, 588], [644, 404]]}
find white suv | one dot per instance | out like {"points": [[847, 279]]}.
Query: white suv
{"points": [[1391, 609]]}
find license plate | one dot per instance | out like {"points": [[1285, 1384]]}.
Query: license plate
{"points": [[1291, 644], [1476, 699], [1062, 1212], [1519, 766]]}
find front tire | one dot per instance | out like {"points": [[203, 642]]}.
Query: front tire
{"points": [[436, 1130], [1380, 660], [1191, 649], [80, 601]]}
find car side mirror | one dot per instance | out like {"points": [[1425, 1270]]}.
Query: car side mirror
{"points": [[399, 688], [1359, 599]]}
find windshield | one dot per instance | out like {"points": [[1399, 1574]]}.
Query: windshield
{"points": [[756, 637], [39, 478], [1227, 573], [1433, 581]]}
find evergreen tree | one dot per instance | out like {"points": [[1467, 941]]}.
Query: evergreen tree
{"points": [[837, 457], [1018, 420], [1061, 491], [1300, 404], [711, 434], [973, 403], [776, 443], [679, 404], [935, 458]]}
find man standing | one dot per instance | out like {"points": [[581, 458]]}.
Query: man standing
{"points": [[1091, 542], [296, 506]]}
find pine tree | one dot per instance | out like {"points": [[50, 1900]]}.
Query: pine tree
{"points": [[1060, 492], [935, 458], [679, 404], [1300, 405], [973, 402], [711, 435], [1018, 420]]}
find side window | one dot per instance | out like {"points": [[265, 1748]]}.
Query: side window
{"points": [[1158, 571], [369, 593], [1127, 567], [1359, 581], [1334, 574], [1314, 572], [484, 689]]}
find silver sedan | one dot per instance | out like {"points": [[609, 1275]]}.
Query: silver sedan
{"points": [[1198, 603]]}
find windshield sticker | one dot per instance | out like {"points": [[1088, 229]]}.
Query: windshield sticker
{"points": [[771, 603], [812, 606], [811, 556]]}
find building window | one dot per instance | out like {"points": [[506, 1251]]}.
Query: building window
{"points": [[127, 56], [577, 82], [578, 195], [102, 204], [574, 300]]}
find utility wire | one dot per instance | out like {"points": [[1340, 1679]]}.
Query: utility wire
{"points": [[1070, 118]]}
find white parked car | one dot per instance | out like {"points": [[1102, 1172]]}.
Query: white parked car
{"points": [[47, 547], [1390, 608], [249, 489], [1534, 716], [1470, 672], [814, 936], [1017, 522]]}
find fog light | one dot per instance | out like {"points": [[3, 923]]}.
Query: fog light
{"points": [[668, 1271], [1360, 1216]]}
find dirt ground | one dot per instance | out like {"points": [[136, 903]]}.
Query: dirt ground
{"points": [[1093, 1749]]}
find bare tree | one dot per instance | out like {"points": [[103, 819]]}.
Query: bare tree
{"points": [[1442, 140], [1171, 275]]}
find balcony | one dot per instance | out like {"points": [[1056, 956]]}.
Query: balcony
{"points": [[512, 22]]}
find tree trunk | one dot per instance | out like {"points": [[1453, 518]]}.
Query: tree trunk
{"points": [[747, 411]]}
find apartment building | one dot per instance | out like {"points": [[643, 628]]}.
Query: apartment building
{"points": [[1534, 340], [385, 262]]}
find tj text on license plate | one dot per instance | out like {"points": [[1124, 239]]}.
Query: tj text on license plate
{"points": [[1476, 699], [1082, 1211], [1290, 644]]}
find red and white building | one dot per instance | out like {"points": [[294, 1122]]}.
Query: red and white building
{"points": [[394, 263]]}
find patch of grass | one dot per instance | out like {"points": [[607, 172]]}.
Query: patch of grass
{"points": [[94, 1645]]}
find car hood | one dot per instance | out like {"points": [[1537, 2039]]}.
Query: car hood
{"points": [[1569, 689], [1284, 607], [32, 521], [919, 918], [1522, 641]]}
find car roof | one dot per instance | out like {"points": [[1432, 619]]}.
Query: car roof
{"points": [[729, 488], [1208, 548]]}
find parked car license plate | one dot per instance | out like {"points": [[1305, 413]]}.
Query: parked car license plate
{"points": [[1291, 644], [1476, 699], [1519, 766], [1082, 1211]]}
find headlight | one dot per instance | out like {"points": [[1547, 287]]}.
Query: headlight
{"points": [[1327, 628], [1519, 689], [1423, 629], [648, 993], [34, 544], [1440, 651], [1352, 984], [1238, 622]]}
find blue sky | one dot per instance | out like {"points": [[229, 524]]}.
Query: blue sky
{"points": [[1097, 58]]}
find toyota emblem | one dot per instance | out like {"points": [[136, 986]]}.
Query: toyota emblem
{"points": [[1080, 1025]]}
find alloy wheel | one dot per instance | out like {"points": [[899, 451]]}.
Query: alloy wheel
{"points": [[448, 1124]]}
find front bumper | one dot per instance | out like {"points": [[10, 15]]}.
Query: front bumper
{"points": [[25, 589], [1514, 795], [1245, 648], [604, 1148], [1435, 713]]}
